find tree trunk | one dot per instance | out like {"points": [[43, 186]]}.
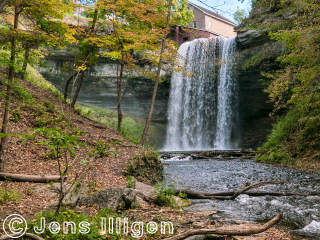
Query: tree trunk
{"points": [[5, 120], [76, 94], [66, 87], [157, 80], [2, 4], [28, 178], [119, 90], [25, 62], [88, 51], [177, 34]]}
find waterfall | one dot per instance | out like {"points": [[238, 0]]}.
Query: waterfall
{"points": [[203, 102]]}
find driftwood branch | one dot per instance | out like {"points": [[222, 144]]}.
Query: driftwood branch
{"points": [[28, 178], [27, 235], [202, 195], [242, 191], [231, 195], [281, 194], [236, 230]]}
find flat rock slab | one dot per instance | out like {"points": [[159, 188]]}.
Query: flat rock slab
{"points": [[112, 198], [147, 190]]}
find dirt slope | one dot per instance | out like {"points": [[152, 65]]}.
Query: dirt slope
{"points": [[27, 157]]}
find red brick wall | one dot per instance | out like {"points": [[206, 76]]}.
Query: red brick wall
{"points": [[181, 35]]}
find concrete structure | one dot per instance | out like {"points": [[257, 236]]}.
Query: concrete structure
{"points": [[211, 22]]}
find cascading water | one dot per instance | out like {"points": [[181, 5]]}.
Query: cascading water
{"points": [[203, 100], [227, 97]]}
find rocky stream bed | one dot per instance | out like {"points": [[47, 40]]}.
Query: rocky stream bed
{"points": [[219, 173]]}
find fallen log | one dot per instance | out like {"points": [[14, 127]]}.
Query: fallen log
{"points": [[27, 235], [242, 191], [231, 195], [202, 195], [194, 195], [29, 178], [234, 230], [281, 194]]}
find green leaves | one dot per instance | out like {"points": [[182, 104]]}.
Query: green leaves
{"points": [[181, 15], [240, 15], [294, 88], [58, 141]]}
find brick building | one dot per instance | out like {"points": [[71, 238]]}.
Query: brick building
{"points": [[206, 23], [210, 21]]}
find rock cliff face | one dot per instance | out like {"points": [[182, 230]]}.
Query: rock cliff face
{"points": [[100, 88], [256, 54], [250, 38]]}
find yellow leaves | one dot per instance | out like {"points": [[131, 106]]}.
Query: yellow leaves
{"points": [[70, 37], [82, 68], [115, 55]]}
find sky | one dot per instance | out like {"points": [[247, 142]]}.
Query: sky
{"points": [[225, 8]]}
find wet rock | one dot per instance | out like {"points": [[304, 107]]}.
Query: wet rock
{"points": [[201, 206], [311, 230]]}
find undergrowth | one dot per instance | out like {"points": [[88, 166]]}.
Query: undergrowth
{"points": [[145, 167], [96, 227], [37, 79], [295, 136], [131, 128], [90, 231]]}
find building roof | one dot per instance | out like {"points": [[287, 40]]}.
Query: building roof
{"points": [[212, 14]]}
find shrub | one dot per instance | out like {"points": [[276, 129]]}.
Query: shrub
{"points": [[102, 149], [50, 107], [131, 181], [146, 167], [15, 116], [165, 195], [294, 136]]}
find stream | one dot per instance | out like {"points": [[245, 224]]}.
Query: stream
{"points": [[301, 214]]}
